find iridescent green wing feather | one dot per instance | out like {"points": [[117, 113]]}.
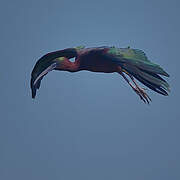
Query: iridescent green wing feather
{"points": [[138, 58], [129, 53], [136, 63]]}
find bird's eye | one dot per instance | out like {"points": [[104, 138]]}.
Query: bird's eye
{"points": [[72, 59]]}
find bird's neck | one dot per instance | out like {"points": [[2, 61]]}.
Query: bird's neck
{"points": [[67, 65]]}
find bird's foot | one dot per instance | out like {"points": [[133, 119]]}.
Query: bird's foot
{"points": [[142, 94], [139, 91]]}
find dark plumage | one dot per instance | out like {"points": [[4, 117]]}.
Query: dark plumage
{"points": [[125, 61]]}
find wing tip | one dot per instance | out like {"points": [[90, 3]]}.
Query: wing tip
{"points": [[165, 74], [33, 94], [33, 88]]}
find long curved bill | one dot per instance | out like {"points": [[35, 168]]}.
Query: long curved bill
{"points": [[47, 63], [35, 82], [50, 68]]}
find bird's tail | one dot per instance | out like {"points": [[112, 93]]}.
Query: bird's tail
{"points": [[148, 74]]}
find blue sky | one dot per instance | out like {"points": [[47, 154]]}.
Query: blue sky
{"points": [[87, 125]]}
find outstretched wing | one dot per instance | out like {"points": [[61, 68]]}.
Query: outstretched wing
{"points": [[136, 63], [36, 78], [48, 63]]}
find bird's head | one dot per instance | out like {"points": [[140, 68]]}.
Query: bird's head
{"points": [[48, 63]]}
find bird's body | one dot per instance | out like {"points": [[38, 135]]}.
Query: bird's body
{"points": [[91, 59], [132, 62]]}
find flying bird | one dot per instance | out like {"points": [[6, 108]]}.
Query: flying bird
{"points": [[130, 63]]}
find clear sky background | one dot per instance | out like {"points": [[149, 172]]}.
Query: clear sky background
{"points": [[87, 126]]}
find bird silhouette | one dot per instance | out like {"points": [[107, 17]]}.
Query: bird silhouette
{"points": [[130, 63]]}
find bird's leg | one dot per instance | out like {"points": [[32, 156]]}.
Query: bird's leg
{"points": [[133, 87], [141, 90]]}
